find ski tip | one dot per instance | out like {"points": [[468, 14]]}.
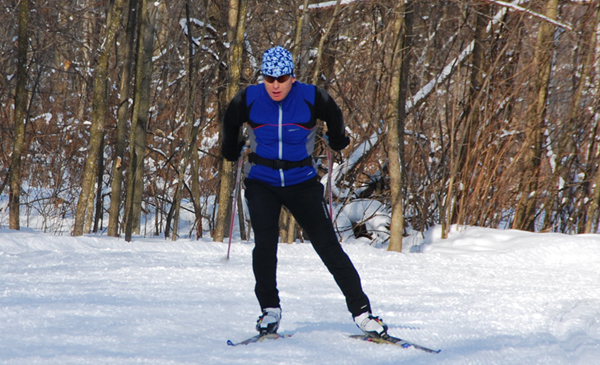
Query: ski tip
{"points": [[230, 343], [431, 351], [394, 341]]}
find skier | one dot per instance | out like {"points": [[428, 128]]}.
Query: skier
{"points": [[281, 113]]}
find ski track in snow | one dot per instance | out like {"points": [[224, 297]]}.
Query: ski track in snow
{"points": [[483, 296]]}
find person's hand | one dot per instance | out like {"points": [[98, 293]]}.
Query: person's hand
{"points": [[337, 143], [234, 157]]}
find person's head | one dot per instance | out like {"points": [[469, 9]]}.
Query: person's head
{"points": [[278, 72]]}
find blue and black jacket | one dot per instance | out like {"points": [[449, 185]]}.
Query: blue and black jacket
{"points": [[281, 132]]}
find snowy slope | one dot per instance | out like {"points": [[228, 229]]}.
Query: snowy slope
{"points": [[483, 296]]}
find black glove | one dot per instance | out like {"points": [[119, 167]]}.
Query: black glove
{"points": [[231, 154], [338, 143]]}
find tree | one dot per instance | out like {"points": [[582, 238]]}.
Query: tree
{"points": [[399, 62], [137, 139], [99, 119], [19, 116], [526, 209], [593, 208], [192, 127], [116, 186], [237, 22], [466, 162], [469, 108]]}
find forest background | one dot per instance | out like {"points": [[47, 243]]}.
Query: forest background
{"points": [[481, 113]]}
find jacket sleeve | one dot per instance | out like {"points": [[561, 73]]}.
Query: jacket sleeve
{"points": [[327, 109], [235, 117]]}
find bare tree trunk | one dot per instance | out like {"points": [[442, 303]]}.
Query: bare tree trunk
{"points": [[298, 37], [396, 114], [196, 193], [593, 212], [122, 113], [87, 56], [284, 219], [526, 209], [317, 70], [583, 193], [467, 153], [566, 158], [192, 128], [142, 117], [291, 229], [98, 119], [89, 217], [224, 210], [137, 147], [302, 44], [237, 22], [19, 117], [99, 200]]}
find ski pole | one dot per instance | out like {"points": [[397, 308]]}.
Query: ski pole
{"points": [[329, 183], [235, 196]]}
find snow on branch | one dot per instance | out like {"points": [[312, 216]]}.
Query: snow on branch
{"points": [[446, 72], [516, 7], [184, 26], [449, 68], [329, 4], [339, 170]]}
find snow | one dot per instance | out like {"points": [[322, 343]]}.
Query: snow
{"points": [[328, 4], [516, 7], [483, 296]]}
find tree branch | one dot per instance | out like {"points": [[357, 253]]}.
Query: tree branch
{"points": [[514, 6]]}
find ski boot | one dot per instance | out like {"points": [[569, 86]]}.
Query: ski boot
{"points": [[371, 325], [268, 322]]}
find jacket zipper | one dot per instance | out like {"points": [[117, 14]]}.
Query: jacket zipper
{"points": [[281, 176]]}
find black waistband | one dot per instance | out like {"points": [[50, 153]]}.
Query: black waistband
{"points": [[279, 164]]}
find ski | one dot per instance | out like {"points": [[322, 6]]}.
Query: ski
{"points": [[390, 340], [258, 338]]}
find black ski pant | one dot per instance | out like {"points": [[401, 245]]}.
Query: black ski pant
{"points": [[306, 203]]}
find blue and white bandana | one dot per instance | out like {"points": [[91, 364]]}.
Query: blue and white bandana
{"points": [[277, 61]]}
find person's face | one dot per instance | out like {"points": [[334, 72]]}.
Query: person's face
{"points": [[278, 87]]}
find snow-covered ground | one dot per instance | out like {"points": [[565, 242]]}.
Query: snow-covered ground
{"points": [[483, 296]]}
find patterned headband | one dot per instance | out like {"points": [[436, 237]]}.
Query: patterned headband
{"points": [[277, 61]]}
